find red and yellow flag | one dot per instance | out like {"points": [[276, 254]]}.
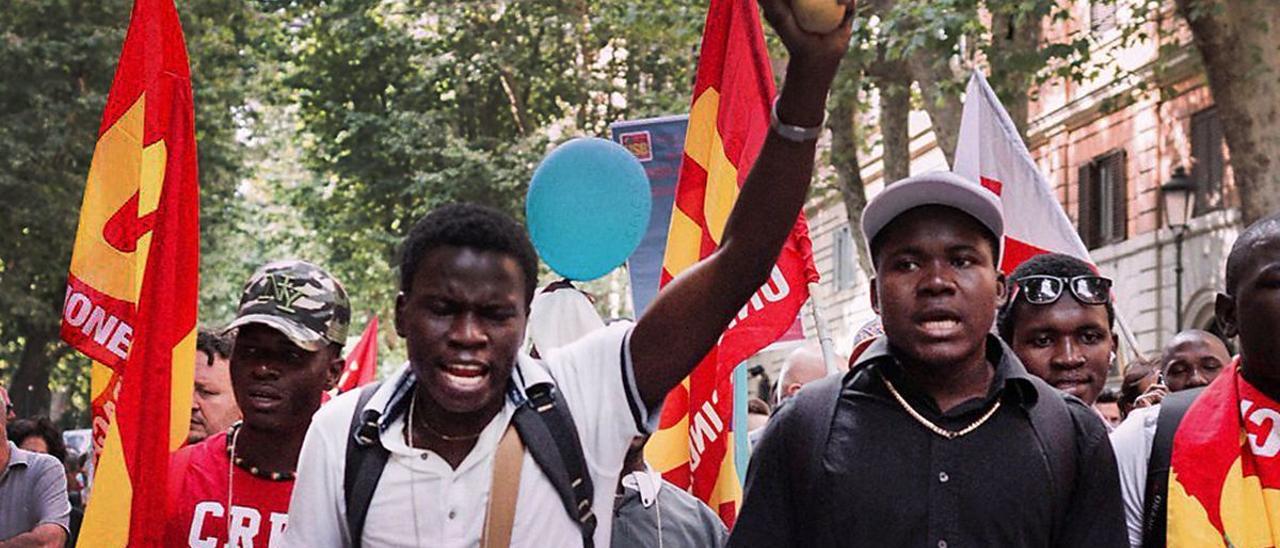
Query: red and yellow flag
{"points": [[132, 287], [728, 123], [1224, 475]]}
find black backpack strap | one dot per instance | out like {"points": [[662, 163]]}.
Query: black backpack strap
{"points": [[547, 429], [1154, 505], [365, 459], [814, 407], [1056, 432]]}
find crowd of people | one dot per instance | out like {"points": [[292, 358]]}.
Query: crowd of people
{"points": [[974, 412]]}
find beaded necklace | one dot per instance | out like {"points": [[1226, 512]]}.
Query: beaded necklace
{"points": [[254, 471]]}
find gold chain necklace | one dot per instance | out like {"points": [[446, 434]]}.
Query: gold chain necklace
{"points": [[413, 403], [948, 434]]}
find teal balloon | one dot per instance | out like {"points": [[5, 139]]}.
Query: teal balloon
{"points": [[588, 207]]}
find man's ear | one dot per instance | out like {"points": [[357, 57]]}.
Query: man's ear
{"points": [[1002, 289], [1224, 310], [334, 371], [875, 296], [400, 314]]}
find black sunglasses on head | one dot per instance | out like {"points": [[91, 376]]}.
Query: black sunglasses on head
{"points": [[1044, 289]]}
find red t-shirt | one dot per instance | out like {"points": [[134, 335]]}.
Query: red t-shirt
{"points": [[198, 514]]}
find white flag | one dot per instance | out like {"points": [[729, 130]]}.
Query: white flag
{"points": [[991, 152]]}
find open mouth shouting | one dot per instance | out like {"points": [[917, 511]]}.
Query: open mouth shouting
{"points": [[465, 376], [939, 324]]}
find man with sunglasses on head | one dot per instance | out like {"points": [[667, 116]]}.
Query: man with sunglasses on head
{"points": [[937, 435], [1059, 320]]}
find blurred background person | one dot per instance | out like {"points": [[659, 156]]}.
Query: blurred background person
{"points": [[34, 509], [757, 418], [213, 404], [38, 435], [1193, 358], [649, 512], [1139, 377], [559, 315], [1108, 406], [803, 366]]}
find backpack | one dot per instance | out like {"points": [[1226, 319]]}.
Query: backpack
{"points": [[814, 412], [545, 427], [1155, 505]]}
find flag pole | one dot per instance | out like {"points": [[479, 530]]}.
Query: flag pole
{"points": [[824, 334], [1127, 333]]}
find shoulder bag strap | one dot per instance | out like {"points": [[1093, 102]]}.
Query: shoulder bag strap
{"points": [[500, 516], [546, 427], [815, 407], [365, 459], [1154, 504], [1056, 432]]}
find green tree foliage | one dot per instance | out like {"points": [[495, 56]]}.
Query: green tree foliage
{"points": [[408, 105], [48, 123], [61, 56], [919, 54]]}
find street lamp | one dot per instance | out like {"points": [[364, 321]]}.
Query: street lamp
{"points": [[1179, 197]]}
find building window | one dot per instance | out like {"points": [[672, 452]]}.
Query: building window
{"points": [[1207, 160], [1103, 213], [1102, 16], [843, 256]]}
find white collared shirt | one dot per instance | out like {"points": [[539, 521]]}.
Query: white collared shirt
{"points": [[422, 501]]}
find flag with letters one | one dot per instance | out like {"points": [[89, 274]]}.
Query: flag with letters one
{"points": [[728, 122], [132, 287]]}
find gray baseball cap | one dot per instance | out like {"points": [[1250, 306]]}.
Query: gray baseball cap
{"points": [[942, 188], [299, 299]]}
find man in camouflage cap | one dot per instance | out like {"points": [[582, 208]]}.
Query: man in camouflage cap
{"points": [[298, 299], [290, 329]]}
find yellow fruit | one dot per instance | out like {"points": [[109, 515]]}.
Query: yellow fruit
{"points": [[818, 16]]}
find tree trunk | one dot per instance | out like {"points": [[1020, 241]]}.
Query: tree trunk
{"points": [[842, 119], [1238, 40], [941, 99], [29, 388], [1014, 38], [894, 82]]}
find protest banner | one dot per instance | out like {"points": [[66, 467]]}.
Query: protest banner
{"points": [[132, 288], [659, 145], [729, 119]]}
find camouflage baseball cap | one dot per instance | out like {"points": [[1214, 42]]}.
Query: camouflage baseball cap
{"points": [[298, 299]]}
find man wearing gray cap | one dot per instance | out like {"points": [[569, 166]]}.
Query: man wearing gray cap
{"points": [[937, 435], [234, 487]]}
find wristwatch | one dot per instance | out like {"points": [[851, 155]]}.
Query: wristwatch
{"points": [[798, 134]]}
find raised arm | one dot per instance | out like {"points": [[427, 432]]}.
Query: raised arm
{"points": [[689, 315]]}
